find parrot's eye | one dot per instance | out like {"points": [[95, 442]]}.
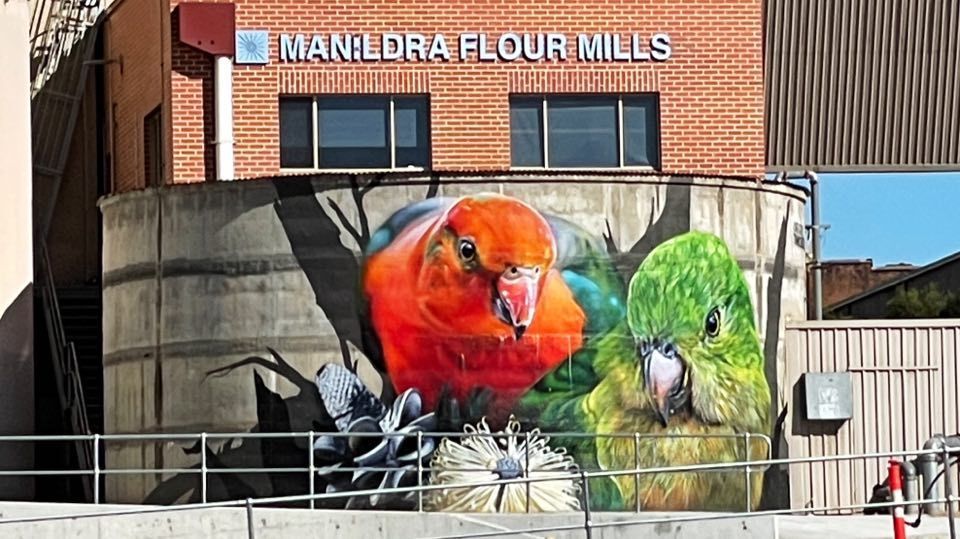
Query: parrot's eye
{"points": [[712, 324], [467, 250]]}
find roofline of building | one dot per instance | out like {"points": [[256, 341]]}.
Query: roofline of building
{"points": [[896, 282]]}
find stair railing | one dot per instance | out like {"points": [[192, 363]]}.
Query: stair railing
{"points": [[66, 371]]}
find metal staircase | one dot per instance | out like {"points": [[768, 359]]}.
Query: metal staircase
{"points": [[63, 356], [81, 316], [63, 37], [62, 41]]}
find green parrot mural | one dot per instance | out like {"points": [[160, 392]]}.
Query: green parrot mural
{"points": [[486, 316], [686, 361]]}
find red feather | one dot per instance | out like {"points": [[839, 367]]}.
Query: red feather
{"points": [[434, 314]]}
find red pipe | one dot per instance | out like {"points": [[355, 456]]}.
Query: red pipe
{"points": [[895, 482]]}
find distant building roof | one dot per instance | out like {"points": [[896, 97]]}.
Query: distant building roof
{"points": [[955, 257]]}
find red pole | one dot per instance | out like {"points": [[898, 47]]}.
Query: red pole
{"points": [[896, 490]]}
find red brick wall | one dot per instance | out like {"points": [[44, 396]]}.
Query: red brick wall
{"points": [[135, 36], [711, 88]]}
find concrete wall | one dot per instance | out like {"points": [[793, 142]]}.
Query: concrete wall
{"points": [[16, 246], [285, 523], [196, 277]]}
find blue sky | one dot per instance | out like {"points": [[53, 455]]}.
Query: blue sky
{"points": [[891, 218]]}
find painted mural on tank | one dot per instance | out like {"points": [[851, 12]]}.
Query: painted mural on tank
{"points": [[482, 315]]}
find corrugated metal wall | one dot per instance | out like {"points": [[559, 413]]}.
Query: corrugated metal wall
{"points": [[906, 382], [862, 84]]}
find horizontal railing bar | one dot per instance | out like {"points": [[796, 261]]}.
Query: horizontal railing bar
{"points": [[718, 466], [282, 435], [323, 470], [145, 471], [27, 473]]}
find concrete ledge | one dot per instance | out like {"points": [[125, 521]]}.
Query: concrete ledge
{"points": [[284, 523], [272, 523]]}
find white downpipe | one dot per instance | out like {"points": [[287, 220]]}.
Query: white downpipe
{"points": [[223, 116]]}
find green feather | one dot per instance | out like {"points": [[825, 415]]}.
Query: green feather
{"points": [[602, 390]]}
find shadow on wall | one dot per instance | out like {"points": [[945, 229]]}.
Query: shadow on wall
{"points": [[775, 494], [17, 365]]}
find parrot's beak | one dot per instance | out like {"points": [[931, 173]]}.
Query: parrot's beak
{"points": [[515, 300], [664, 374]]}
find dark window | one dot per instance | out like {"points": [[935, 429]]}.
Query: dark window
{"points": [[641, 131], [526, 132], [582, 132], [152, 149], [354, 132], [296, 133], [595, 131], [349, 132], [411, 131]]}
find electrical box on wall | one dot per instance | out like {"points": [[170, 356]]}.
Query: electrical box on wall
{"points": [[829, 396]]}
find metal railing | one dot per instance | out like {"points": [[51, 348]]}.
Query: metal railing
{"points": [[97, 471], [580, 476], [66, 371]]}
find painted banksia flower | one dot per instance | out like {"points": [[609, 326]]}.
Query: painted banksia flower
{"points": [[480, 458]]}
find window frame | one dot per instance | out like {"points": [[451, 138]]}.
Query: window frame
{"points": [[392, 123], [621, 152], [152, 136]]}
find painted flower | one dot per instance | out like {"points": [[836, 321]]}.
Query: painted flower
{"points": [[385, 440], [479, 458]]}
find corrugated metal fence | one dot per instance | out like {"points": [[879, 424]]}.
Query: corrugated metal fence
{"points": [[905, 389], [862, 84]]}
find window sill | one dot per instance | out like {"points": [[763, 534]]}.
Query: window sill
{"points": [[349, 170], [586, 169]]}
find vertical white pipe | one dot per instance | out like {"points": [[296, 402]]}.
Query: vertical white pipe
{"points": [[223, 116]]}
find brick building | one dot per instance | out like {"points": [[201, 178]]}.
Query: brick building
{"points": [[634, 121], [682, 81], [843, 279]]}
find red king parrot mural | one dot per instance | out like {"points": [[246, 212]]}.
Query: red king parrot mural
{"points": [[483, 293]]}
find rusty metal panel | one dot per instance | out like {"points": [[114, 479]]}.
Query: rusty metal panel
{"points": [[862, 85], [905, 389]]}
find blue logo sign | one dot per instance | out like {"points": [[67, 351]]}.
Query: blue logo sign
{"points": [[252, 47]]}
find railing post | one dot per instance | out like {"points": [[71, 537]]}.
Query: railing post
{"points": [[526, 466], [250, 531], [96, 468], [587, 522], [203, 467], [420, 471], [636, 462], [948, 487], [746, 469], [311, 469]]}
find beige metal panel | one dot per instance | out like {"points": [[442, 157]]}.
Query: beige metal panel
{"points": [[906, 382], [862, 84]]}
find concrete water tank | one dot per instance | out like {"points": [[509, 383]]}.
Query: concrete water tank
{"points": [[199, 276]]}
